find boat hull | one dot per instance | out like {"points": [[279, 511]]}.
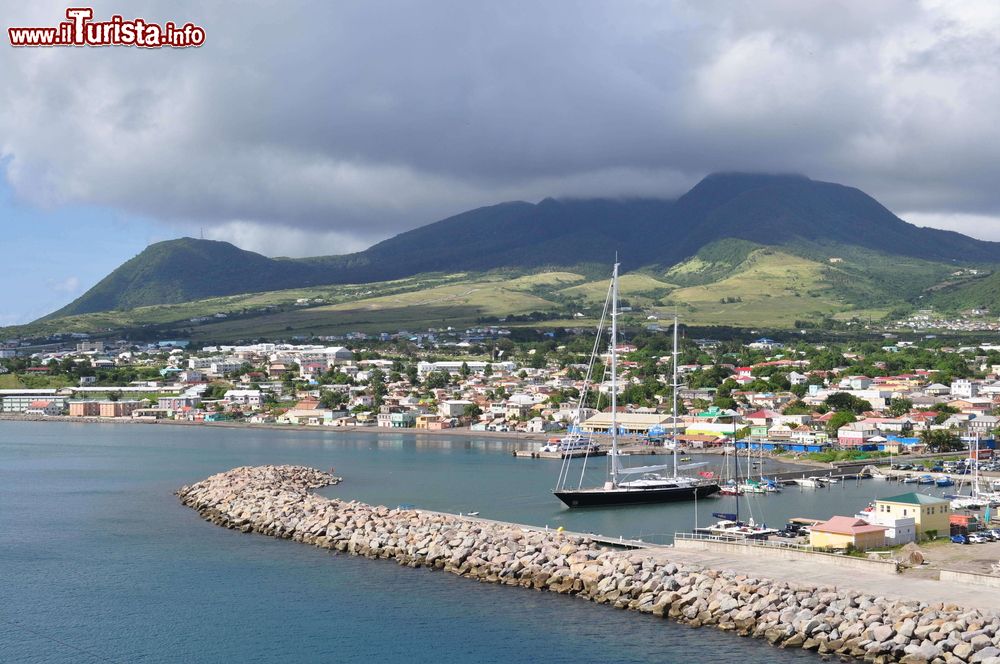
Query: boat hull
{"points": [[610, 497]]}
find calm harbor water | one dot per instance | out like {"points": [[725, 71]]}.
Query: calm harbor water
{"points": [[99, 562]]}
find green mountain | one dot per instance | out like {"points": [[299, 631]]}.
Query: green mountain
{"points": [[819, 221]]}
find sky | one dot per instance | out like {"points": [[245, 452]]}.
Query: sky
{"points": [[305, 128]]}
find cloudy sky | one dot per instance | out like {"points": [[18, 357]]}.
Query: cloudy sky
{"points": [[321, 127]]}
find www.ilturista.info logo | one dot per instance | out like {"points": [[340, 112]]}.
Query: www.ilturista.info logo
{"points": [[80, 30]]}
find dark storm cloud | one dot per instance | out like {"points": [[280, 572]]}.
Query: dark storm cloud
{"points": [[311, 127]]}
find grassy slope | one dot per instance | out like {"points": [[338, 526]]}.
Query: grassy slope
{"points": [[637, 287], [982, 291], [455, 304], [775, 287]]}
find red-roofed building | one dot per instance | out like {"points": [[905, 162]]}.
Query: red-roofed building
{"points": [[46, 408], [840, 532], [762, 416]]}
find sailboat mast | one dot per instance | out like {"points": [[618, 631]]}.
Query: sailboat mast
{"points": [[673, 408], [614, 375], [975, 479]]}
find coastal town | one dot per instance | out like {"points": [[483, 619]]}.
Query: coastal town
{"points": [[892, 397]]}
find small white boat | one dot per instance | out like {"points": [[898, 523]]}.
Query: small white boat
{"points": [[808, 482], [731, 528], [571, 443]]}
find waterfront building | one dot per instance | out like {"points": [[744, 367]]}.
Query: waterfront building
{"points": [[899, 530], [931, 515], [628, 423], [20, 400], [84, 408], [119, 408], [46, 408], [243, 397], [841, 532], [453, 407]]}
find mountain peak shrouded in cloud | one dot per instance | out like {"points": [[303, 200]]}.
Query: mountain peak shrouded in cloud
{"points": [[777, 210], [344, 124]]}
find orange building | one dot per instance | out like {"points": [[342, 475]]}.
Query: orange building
{"points": [[84, 408]]}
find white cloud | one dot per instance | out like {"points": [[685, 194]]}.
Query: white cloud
{"points": [[288, 241], [67, 285], [982, 226], [347, 122]]}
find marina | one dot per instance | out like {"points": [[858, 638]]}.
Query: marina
{"points": [[109, 466]]}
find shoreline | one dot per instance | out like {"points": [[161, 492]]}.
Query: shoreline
{"points": [[464, 432]]}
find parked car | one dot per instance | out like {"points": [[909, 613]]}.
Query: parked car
{"points": [[959, 539], [977, 538]]}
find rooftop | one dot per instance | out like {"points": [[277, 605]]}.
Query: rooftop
{"points": [[914, 498], [847, 525]]}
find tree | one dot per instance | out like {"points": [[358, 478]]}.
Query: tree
{"points": [[840, 401], [726, 403], [839, 419], [797, 407], [436, 380], [332, 400], [464, 370], [899, 406], [472, 411], [940, 440], [376, 382]]}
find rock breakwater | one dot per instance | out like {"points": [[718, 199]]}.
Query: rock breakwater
{"points": [[278, 501]]}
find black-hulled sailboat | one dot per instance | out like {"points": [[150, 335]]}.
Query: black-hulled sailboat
{"points": [[629, 485]]}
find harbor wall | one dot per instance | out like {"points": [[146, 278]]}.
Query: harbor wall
{"points": [[889, 567], [986, 580], [278, 501]]}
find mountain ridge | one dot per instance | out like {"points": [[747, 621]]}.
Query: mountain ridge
{"points": [[774, 210]]}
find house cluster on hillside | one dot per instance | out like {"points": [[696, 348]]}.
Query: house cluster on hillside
{"points": [[327, 385]]}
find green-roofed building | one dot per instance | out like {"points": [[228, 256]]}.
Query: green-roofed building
{"points": [[931, 514]]}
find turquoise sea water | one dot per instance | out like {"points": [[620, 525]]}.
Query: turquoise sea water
{"points": [[100, 563]]}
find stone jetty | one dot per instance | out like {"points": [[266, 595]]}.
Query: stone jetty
{"points": [[278, 501]]}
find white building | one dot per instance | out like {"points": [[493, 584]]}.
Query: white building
{"points": [[243, 397], [47, 408], [220, 367], [455, 367], [453, 407], [901, 530], [964, 388]]}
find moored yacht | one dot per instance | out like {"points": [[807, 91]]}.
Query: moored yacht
{"points": [[637, 484]]}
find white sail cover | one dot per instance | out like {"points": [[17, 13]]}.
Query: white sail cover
{"points": [[636, 470]]}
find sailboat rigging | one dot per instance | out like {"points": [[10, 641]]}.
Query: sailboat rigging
{"points": [[637, 484]]}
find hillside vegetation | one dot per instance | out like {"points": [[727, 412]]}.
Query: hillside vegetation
{"points": [[803, 217], [730, 282]]}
